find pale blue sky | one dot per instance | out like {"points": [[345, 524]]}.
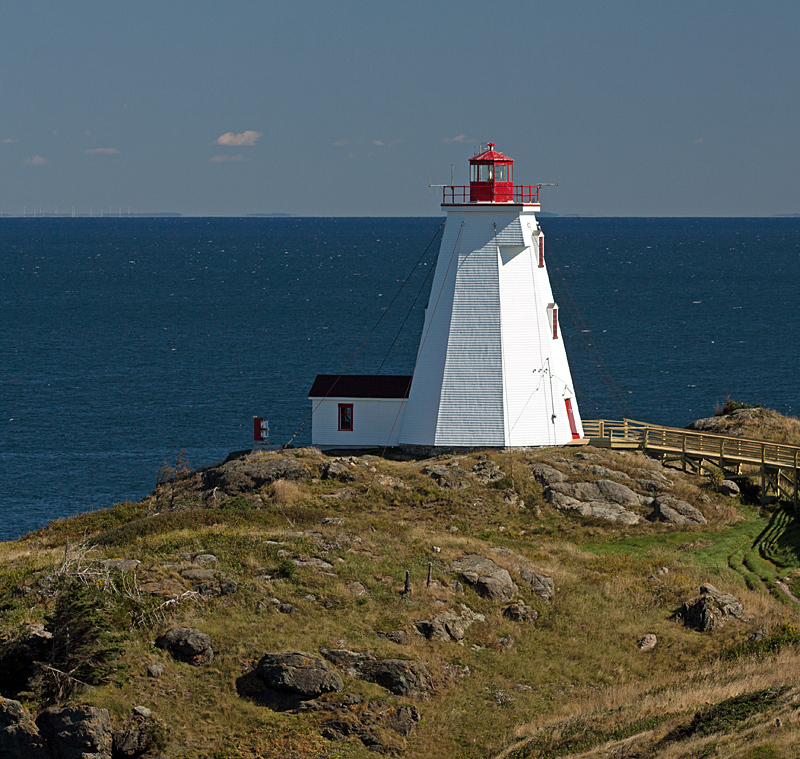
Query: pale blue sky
{"points": [[638, 108]]}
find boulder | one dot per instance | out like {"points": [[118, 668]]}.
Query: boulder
{"points": [[298, 673], [19, 736], [545, 474], [648, 642], [121, 565], [486, 578], [520, 612], [76, 732], [729, 487], [187, 644], [487, 471], [251, 473], [672, 510], [541, 585], [396, 636], [710, 610], [400, 676], [448, 477], [447, 625], [140, 733], [611, 512], [337, 470]]}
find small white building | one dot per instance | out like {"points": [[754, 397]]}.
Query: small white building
{"points": [[358, 410], [491, 366]]}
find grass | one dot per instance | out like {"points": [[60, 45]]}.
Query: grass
{"points": [[570, 685]]}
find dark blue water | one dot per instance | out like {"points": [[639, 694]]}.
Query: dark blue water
{"points": [[126, 341]]}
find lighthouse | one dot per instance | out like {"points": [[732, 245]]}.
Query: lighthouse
{"points": [[491, 369]]}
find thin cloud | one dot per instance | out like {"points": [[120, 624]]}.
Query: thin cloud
{"points": [[458, 138], [341, 143], [379, 143], [243, 138], [104, 151], [699, 140], [221, 158], [7, 141], [382, 144], [35, 160]]}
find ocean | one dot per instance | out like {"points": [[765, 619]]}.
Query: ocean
{"points": [[126, 341]]}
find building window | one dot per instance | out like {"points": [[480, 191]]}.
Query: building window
{"points": [[552, 318], [346, 417]]}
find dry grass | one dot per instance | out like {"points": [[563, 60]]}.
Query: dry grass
{"points": [[284, 492]]}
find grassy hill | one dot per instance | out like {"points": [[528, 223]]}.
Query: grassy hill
{"points": [[310, 552]]}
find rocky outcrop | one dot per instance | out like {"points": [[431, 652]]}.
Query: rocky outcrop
{"points": [[710, 610], [187, 644], [672, 510], [729, 487], [486, 578], [400, 676], [521, 613], [541, 585], [604, 499], [19, 735], [545, 474], [451, 477], [76, 732], [246, 474], [447, 625], [139, 734], [296, 672]]}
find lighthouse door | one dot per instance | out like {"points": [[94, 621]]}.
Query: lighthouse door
{"points": [[572, 426]]}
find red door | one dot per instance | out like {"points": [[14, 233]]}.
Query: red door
{"points": [[572, 426]]}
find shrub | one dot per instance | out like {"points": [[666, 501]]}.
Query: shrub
{"points": [[283, 492]]}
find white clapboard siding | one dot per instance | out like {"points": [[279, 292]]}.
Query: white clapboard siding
{"points": [[489, 372], [376, 422]]}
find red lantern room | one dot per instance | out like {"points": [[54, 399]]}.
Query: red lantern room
{"points": [[491, 177]]}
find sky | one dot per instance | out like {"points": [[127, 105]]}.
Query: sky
{"points": [[352, 108]]}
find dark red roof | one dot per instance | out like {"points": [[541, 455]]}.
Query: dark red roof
{"points": [[360, 386], [490, 155]]}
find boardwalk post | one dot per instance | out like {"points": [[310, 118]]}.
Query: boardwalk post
{"points": [[646, 437], [763, 473], [794, 498], [602, 432], [683, 453], [722, 454]]}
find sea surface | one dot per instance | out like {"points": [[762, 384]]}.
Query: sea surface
{"points": [[124, 342]]}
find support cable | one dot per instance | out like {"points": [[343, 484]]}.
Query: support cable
{"points": [[366, 339]]}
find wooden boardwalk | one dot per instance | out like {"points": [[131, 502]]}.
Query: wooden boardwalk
{"points": [[736, 457]]}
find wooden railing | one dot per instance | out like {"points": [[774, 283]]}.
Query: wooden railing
{"points": [[777, 462]]}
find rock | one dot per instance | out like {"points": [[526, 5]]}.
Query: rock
{"points": [[396, 636], [312, 563], [669, 509], [541, 585], [187, 644], [649, 641], [251, 473], [337, 470], [356, 588], [403, 719], [487, 471], [611, 512], [545, 474], [121, 565], [389, 482], [710, 610], [199, 575], [204, 559], [286, 608], [512, 498], [522, 613], [729, 487], [602, 490], [155, 670], [298, 673], [448, 477], [139, 734], [19, 736], [228, 588], [485, 577], [338, 521], [166, 587], [447, 625], [402, 677], [76, 732], [505, 641]]}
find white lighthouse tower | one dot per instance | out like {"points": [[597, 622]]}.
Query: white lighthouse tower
{"points": [[491, 367]]}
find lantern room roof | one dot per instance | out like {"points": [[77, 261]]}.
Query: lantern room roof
{"points": [[491, 155]]}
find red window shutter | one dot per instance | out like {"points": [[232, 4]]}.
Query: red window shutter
{"points": [[541, 251], [555, 324]]}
